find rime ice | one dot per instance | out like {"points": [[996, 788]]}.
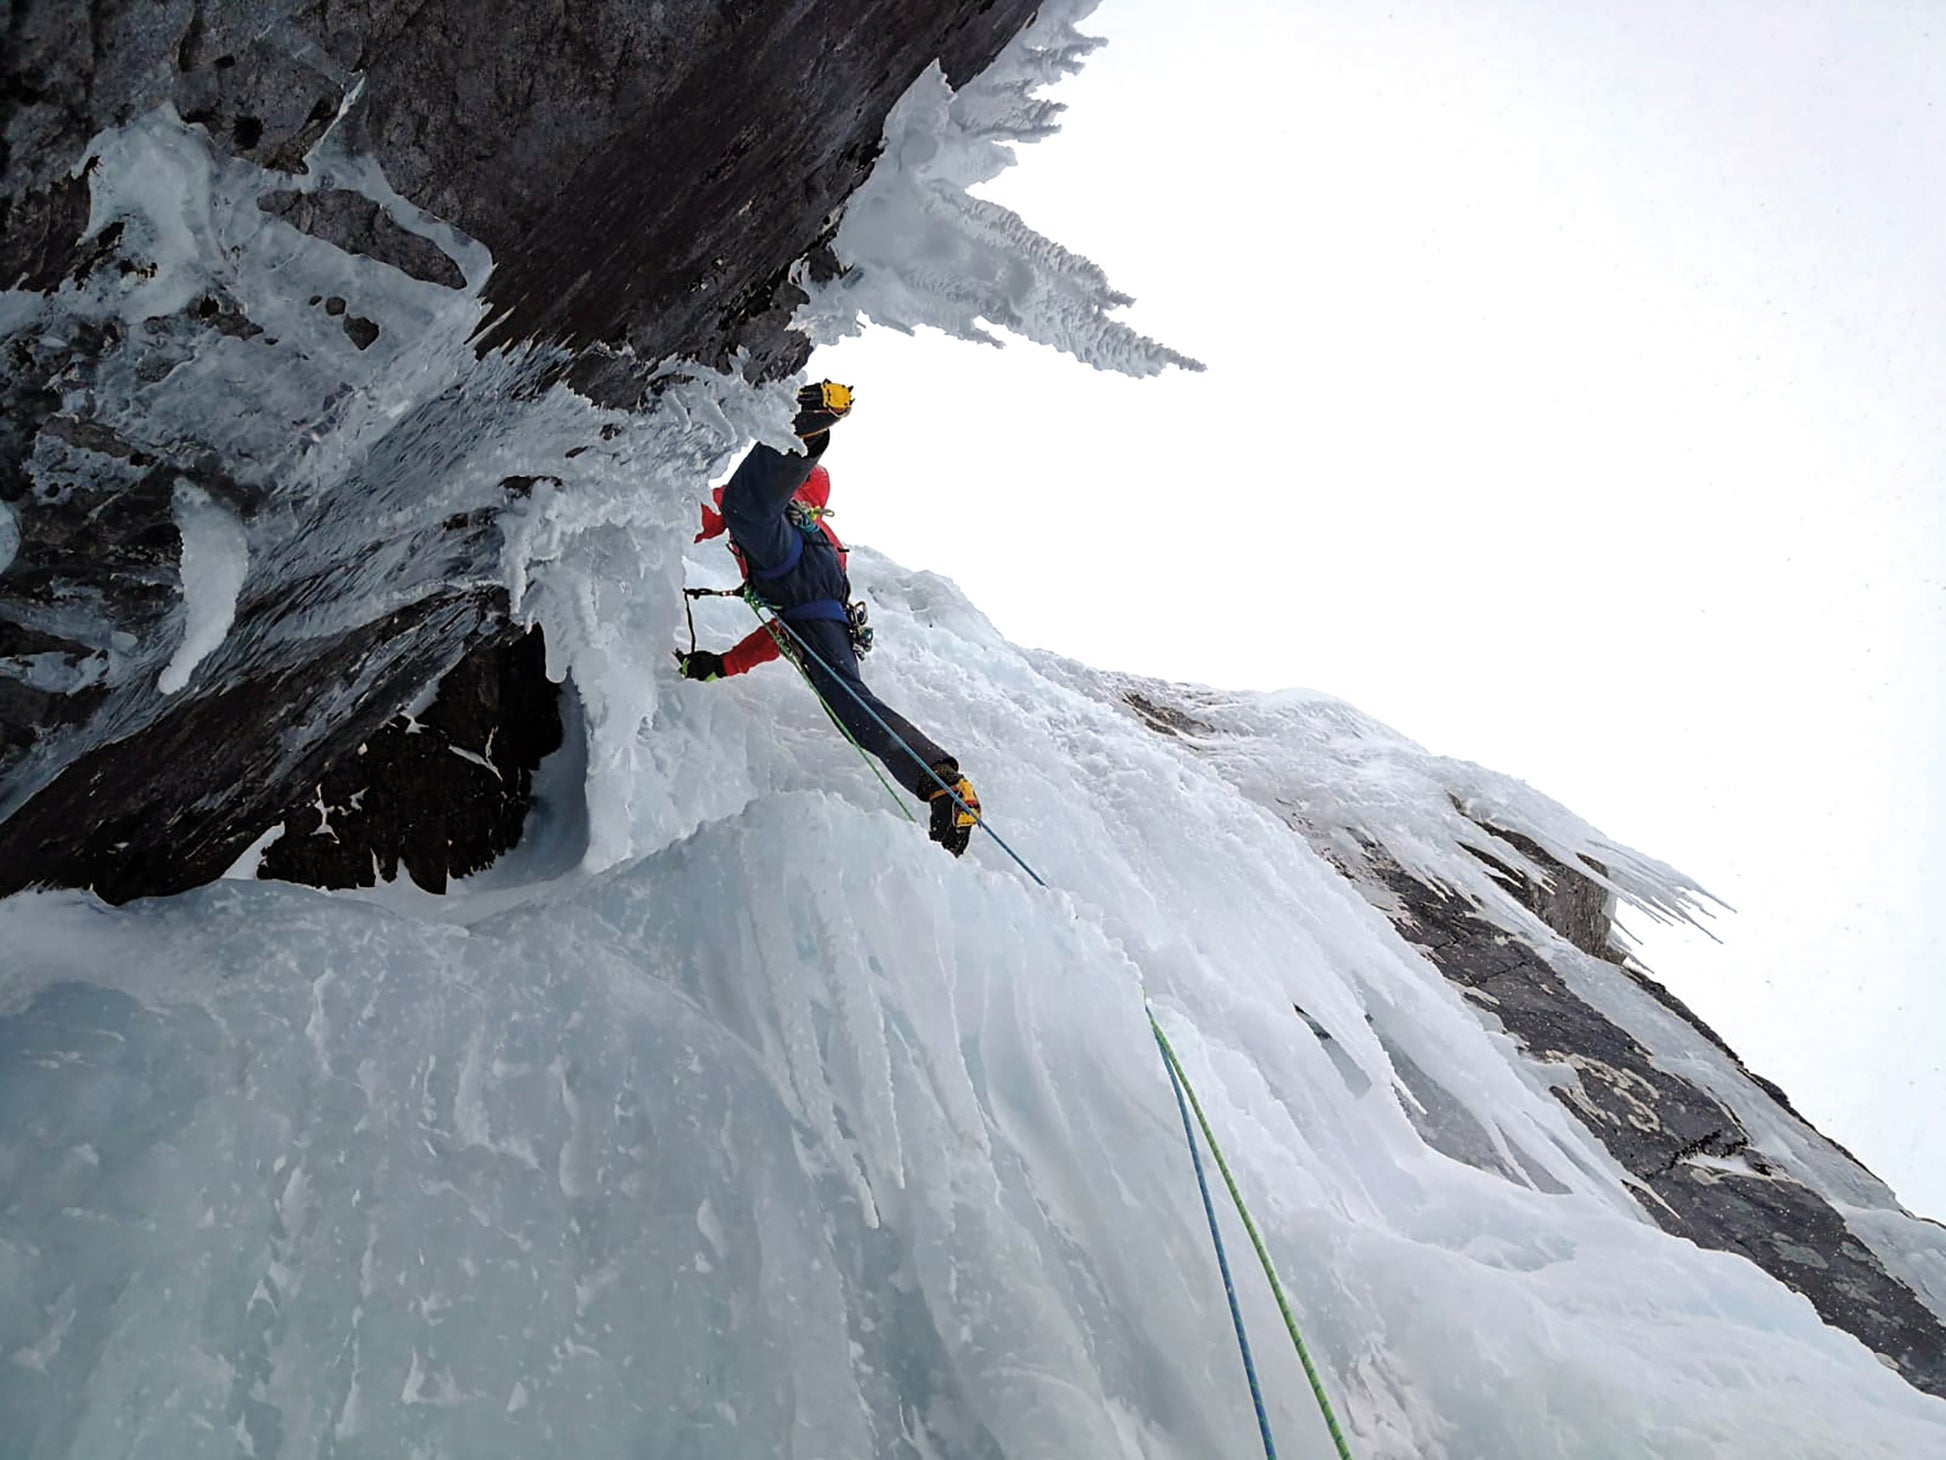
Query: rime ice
{"points": [[920, 249], [727, 1116]]}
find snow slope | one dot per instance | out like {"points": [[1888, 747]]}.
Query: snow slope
{"points": [[742, 1122]]}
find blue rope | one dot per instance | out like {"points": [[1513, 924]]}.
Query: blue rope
{"points": [[979, 818], [1168, 1063], [1222, 1258]]}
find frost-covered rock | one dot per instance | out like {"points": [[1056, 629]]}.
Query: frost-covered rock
{"points": [[917, 248], [1511, 898]]}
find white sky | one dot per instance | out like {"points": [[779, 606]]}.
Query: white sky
{"points": [[1573, 406]]}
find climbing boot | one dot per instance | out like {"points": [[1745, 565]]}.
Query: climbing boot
{"points": [[953, 819]]}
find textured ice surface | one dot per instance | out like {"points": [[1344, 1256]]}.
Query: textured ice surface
{"points": [[788, 1135], [730, 1118]]}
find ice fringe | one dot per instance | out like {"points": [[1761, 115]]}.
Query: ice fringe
{"points": [[919, 249], [772, 1131]]}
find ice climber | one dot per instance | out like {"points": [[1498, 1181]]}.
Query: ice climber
{"points": [[773, 508]]}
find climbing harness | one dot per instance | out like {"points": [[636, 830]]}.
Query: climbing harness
{"points": [[851, 612]]}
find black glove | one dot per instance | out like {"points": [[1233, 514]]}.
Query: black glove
{"points": [[700, 664], [953, 821], [821, 406]]}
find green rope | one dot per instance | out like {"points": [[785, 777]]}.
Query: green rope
{"points": [[863, 754], [1256, 1241], [1169, 1055]]}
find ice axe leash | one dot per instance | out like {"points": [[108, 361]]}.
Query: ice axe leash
{"points": [[691, 593]]}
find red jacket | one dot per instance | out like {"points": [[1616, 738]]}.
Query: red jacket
{"points": [[760, 645]]}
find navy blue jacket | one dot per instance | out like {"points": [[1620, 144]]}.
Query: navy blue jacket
{"points": [[797, 572]]}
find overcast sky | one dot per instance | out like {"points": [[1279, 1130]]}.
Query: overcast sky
{"points": [[1573, 407]]}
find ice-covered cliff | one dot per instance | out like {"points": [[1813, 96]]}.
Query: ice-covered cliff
{"points": [[788, 1135], [722, 1115]]}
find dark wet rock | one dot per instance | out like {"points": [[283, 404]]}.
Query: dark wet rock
{"points": [[353, 222], [1575, 906], [1569, 901], [439, 794], [1164, 718], [361, 331], [523, 486], [1691, 1163], [46, 680], [96, 531], [579, 144], [131, 818], [167, 790], [1801, 1240], [246, 71], [38, 234], [1645, 1117], [224, 315]]}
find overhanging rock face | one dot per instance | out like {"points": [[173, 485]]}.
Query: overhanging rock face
{"points": [[624, 183], [582, 145]]}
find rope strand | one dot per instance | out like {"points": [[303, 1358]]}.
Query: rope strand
{"points": [[979, 818], [1216, 1237], [1256, 1241], [1185, 1093], [1176, 1074], [844, 730]]}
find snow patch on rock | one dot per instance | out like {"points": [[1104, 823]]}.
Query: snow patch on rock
{"points": [[215, 560]]}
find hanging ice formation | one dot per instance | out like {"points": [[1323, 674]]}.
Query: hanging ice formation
{"points": [[726, 1117]]}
